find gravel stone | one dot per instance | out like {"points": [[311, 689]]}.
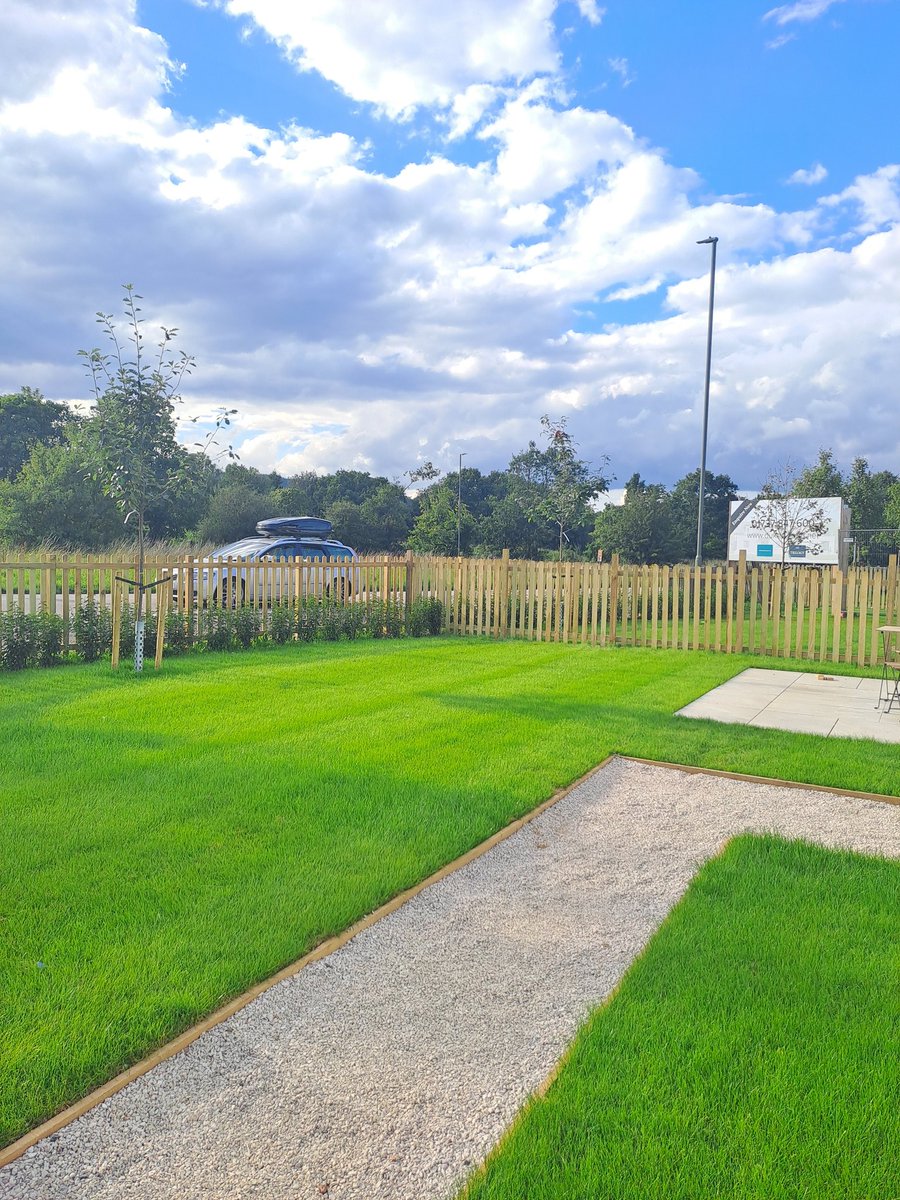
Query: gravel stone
{"points": [[392, 1067]]}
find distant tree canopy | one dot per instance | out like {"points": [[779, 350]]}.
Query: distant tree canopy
{"points": [[546, 497], [655, 525], [28, 420]]}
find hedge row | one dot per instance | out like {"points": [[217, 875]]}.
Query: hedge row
{"points": [[43, 639]]}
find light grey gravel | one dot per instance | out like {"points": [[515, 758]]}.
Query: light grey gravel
{"points": [[392, 1067]]}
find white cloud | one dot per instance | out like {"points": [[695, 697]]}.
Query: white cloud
{"points": [[876, 196], [399, 56], [802, 10], [622, 69], [591, 11], [469, 107], [815, 174], [545, 150], [358, 318]]}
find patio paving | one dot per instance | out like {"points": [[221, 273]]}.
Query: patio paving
{"points": [[802, 702]]}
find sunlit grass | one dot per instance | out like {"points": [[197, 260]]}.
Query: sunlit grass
{"points": [[168, 840], [752, 1051]]}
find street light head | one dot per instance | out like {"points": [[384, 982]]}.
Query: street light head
{"points": [[710, 241]]}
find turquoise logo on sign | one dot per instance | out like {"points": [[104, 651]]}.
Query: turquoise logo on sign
{"points": [[765, 551]]}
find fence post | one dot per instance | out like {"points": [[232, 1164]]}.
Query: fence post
{"points": [[162, 604], [116, 623], [613, 598], [741, 598], [410, 578], [504, 593], [892, 605]]}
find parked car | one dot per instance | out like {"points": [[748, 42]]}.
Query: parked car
{"points": [[277, 540]]}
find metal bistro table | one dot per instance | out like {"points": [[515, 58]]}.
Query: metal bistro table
{"points": [[889, 687]]}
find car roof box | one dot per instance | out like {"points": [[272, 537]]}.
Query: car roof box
{"points": [[294, 527]]}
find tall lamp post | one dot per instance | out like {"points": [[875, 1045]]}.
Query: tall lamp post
{"points": [[710, 241], [459, 505]]}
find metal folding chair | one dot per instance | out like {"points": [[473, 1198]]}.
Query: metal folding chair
{"points": [[889, 687]]}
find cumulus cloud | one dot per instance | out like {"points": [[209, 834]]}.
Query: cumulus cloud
{"points": [[815, 174], [876, 197], [362, 318], [400, 56]]}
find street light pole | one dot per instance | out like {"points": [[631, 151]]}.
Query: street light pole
{"points": [[459, 505], [713, 242]]}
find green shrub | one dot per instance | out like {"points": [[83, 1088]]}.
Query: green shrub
{"points": [[424, 618], [51, 639], [18, 640], [246, 626], [179, 632], [331, 623], [218, 628], [308, 619], [393, 619], [93, 631], [353, 619], [282, 622]]}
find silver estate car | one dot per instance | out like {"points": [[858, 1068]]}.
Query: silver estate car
{"points": [[277, 540]]}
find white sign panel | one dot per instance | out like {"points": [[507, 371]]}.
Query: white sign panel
{"points": [[770, 531]]}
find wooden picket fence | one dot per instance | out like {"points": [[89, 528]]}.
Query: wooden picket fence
{"points": [[790, 612]]}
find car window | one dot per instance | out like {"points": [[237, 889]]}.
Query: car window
{"points": [[282, 553]]}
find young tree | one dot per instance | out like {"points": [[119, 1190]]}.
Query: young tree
{"points": [[786, 518], [133, 422], [555, 484]]}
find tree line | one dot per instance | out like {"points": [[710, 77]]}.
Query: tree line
{"points": [[542, 505], [77, 480]]}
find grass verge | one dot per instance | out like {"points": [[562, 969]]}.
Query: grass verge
{"points": [[168, 840], [751, 1051]]}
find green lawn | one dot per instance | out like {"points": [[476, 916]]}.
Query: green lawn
{"points": [[170, 839], [752, 1051]]}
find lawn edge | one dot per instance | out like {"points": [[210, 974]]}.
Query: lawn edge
{"points": [[884, 797], [79, 1108]]}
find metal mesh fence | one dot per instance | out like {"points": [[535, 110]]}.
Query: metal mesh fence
{"points": [[871, 547]]}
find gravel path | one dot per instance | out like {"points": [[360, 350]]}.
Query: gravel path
{"points": [[390, 1068]]}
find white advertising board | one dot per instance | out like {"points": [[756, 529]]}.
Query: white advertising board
{"points": [[760, 527]]}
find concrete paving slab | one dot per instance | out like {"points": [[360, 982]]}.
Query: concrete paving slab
{"points": [[815, 683], [762, 675], [847, 727], [809, 702], [793, 723]]}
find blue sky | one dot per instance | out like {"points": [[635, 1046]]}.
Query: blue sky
{"points": [[391, 231]]}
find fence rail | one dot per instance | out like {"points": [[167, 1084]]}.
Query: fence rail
{"points": [[788, 612]]}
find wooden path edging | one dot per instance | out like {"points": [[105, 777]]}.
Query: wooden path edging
{"points": [[55, 1123]]}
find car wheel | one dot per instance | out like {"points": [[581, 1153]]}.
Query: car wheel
{"points": [[229, 595]]}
